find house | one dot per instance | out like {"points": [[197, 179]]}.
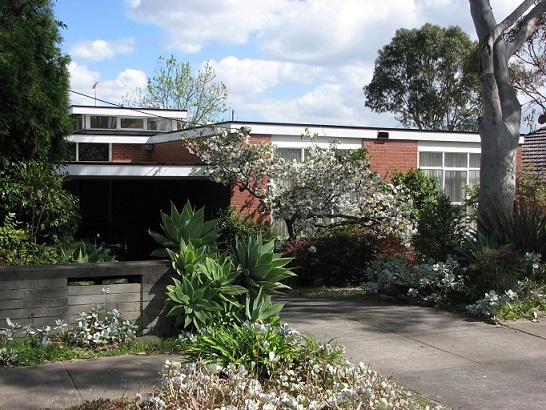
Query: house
{"points": [[534, 150], [127, 164]]}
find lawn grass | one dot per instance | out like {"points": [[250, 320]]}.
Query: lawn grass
{"points": [[31, 355]]}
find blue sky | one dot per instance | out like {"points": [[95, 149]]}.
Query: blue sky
{"points": [[294, 61]]}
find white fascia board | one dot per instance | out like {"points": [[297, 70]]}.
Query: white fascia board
{"points": [[110, 139], [286, 141], [167, 137], [449, 146], [128, 112], [133, 171], [293, 132]]}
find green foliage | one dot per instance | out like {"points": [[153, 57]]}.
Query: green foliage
{"points": [[440, 229], [261, 269], [94, 330], [432, 284], [338, 257], [34, 83], [173, 86], [524, 229], [233, 224], [263, 350], [218, 287], [16, 247], [205, 295], [441, 225], [188, 226], [531, 187], [84, 252], [34, 192], [428, 78], [421, 188]]}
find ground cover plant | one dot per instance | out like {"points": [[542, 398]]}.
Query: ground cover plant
{"points": [[266, 366], [96, 331]]}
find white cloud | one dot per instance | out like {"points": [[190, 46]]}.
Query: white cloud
{"points": [[82, 81], [99, 50], [248, 78], [282, 60], [193, 23]]}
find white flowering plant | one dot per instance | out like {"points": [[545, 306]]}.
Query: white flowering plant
{"points": [[271, 367], [330, 187]]}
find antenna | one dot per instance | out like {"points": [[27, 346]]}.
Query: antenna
{"points": [[94, 87]]}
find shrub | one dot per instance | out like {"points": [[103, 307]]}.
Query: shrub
{"points": [[34, 192], [524, 230], [336, 258], [232, 225], [441, 224], [95, 329], [440, 229], [435, 284], [17, 248], [218, 287]]}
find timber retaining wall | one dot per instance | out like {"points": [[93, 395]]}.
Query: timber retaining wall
{"points": [[39, 295]]}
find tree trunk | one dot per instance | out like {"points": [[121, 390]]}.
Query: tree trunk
{"points": [[499, 133], [500, 127]]}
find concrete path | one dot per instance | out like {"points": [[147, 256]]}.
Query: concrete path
{"points": [[446, 357], [449, 358]]}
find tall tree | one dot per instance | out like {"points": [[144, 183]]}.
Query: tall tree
{"points": [[331, 187], [34, 83], [500, 125], [173, 86], [528, 73], [428, 78]]}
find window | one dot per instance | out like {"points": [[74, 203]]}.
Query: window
{"points": [[77, 122], [103, 122], [453, 171], [92, 152], [158, 125], [132, 123], [289, 154]]}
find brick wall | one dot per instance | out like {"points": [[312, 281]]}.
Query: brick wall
{"points": [[391, 155], [173, 152], [130, 153], [243, 201]]}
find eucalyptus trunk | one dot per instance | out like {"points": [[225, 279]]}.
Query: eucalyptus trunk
{"points": [[500, 126]]}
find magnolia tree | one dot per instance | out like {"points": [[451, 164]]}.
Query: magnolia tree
{"points": [[331, 187]]}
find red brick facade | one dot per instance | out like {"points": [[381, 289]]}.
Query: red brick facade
{"points": [[173, 152], [130, 153], [391, 155], [246, 203]]}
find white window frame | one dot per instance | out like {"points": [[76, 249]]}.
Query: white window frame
{"points": [[460, 148]]}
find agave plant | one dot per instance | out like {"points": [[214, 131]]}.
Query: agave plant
{"points": [[259, 266], [84, 252], [260, 308], [188, 226]]}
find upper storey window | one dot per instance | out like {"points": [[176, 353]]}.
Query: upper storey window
{"points": [[133, 123], [77, 122], [103, 122]]}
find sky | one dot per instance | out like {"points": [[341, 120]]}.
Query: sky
{"points": [[283, 61]]}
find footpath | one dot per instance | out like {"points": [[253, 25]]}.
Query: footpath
{"points": [[446, 357]]}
